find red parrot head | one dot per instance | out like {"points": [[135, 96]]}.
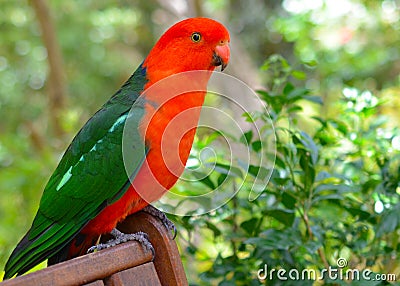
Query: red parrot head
{"points": [[192, 44]]}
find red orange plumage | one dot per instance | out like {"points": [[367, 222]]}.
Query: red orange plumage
{"points": [[165, 127]]}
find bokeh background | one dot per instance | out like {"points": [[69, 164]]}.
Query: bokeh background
{"points": [[328, 71]]}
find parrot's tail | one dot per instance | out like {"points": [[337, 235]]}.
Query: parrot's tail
{"points": [[77, 247]]}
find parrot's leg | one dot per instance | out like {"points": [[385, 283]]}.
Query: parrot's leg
{"points": [[161, 216], [120, 237]]}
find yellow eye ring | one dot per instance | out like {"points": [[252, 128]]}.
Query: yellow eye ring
{"points": [[195, 37]]}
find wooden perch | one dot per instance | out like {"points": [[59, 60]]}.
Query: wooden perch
{"points": [[125, 264]]}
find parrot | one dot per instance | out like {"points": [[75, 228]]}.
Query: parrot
{"points": [[93, 188]]}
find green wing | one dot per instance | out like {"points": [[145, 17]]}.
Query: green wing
{"points": [[90, 176]]}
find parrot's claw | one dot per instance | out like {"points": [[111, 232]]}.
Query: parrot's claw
{"points": [[161, 216], [121, 237]]}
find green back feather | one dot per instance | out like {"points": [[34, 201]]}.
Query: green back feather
{"points": [[90, 176]]}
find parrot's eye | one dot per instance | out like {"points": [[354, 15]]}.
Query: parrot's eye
{"points": [[196, 37]]}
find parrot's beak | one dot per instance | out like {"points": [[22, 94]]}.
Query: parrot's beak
{"points": [[221, 56]]}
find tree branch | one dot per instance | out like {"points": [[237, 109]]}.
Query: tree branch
{"points": [[55, 82], [320, 250]]}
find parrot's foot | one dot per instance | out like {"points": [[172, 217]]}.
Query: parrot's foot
{"points": [[161, 216], [121, 237]]}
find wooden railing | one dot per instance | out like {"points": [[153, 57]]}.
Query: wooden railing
{"points": [[126, 264]]}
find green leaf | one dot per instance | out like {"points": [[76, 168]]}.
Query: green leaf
{"points": [[356, 212], [228, 170], [280, 163], [340, 126], [297, 93], [321, 120], [216, 231], [328, 197], [309, 143], [323, 175], [249, 225], [288, 201], [273, 239], [221, 179], [300, 75], [249, 117], [280, 181], [311, 63], [339, 188], [258, 171], [204, 179], [288, 89], [294, 108], [256, 145], [246, 137], [313, 98], [389, 222], [264, 94], [284, 216]]}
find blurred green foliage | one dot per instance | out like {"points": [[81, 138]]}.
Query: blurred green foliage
{"points": [[333, 194], [334, 191]]}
